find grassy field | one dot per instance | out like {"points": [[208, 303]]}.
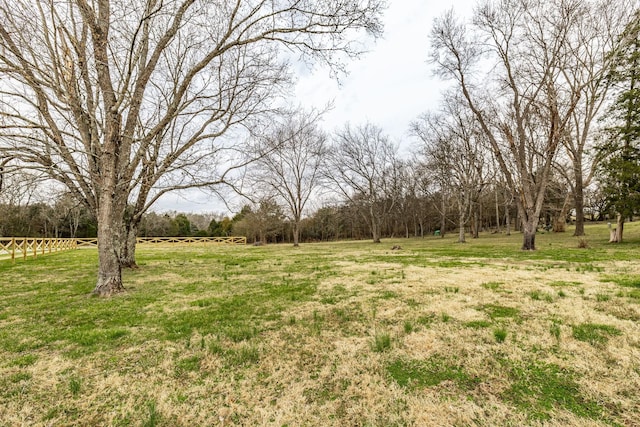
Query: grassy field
{"points": [[334, 334]]}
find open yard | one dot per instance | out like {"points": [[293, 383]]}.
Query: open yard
{"points": [[330, 334]]}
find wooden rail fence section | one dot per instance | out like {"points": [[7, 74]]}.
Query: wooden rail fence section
{"points": [[21, 247], [175, 240]]}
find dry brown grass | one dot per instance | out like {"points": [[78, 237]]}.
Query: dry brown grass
{"points": [[315, 363]]}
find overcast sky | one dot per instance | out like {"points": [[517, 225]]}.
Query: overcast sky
{"points": [[390, 86], [393, 83]]}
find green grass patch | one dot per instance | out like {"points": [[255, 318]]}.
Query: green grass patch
{"points": [[540, 388], [416, 374], [626, 280], [633, 294], [564, 283], [494, 286], [153, 415], [245, 355], [538, 295], [426, 319], [75, 386], [408, 327], [555, 330], [188, 364], [24, 361], [388, 295], [500, 334], [595, 334], [381, 342], [477, 324], [495, 311]]}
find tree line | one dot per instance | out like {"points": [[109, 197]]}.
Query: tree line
{"points": [[414, 213], [122, 102]]}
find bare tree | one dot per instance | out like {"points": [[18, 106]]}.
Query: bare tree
{"points": [[120, 98], [594, 35], [362, 162], [291, 162], [454, 150], [508, 67]]}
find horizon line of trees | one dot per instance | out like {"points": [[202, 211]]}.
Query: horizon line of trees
{"points": [[412, 216]]}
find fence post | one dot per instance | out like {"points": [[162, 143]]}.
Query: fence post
{"points": [[24, 249], [13, 250]]}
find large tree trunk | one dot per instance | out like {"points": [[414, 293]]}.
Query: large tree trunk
{"points": [[529, 239], [461, 223], [129, 240], [529, 225], [109, 243], [529, 218], [579, 202], [476, 223], [296, 233], [375, 224], [616, 233], [375, 230]]}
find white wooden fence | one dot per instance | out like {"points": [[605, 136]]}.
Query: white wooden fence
{"points": [[23, 247]]}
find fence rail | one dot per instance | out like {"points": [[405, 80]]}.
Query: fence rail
{"points": [[175, 240], [217, 240], [22, 247]]}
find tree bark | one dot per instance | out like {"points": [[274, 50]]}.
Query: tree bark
{"points": [[579, 202], [375, 230], [476, 223], [296, 233], [109, 231], [616, 233], [529, 239], [129, 240], [461, 222], [529, 226]]}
